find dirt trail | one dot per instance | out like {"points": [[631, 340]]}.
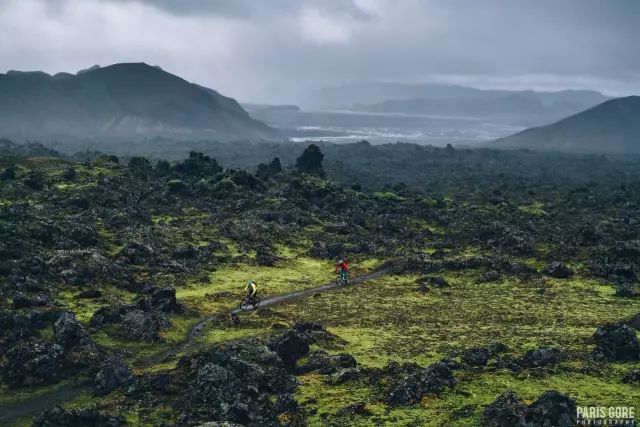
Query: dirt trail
{"points": [[68, 392]]}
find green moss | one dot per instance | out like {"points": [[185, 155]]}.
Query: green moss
{"points": [[534, 209]]}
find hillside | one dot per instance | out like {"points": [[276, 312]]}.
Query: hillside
{"points": [[121, 100], [613, 126]]}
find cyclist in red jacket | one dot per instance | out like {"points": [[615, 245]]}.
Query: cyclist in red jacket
{"points": [[342, 267]]}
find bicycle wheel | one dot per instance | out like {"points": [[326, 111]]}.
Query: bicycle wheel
{"points": [[245, 304], [256, 302]]}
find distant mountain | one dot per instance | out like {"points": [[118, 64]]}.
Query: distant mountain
{"points": [[121, 100], [512, 107], [613, 126], [270, 107]]}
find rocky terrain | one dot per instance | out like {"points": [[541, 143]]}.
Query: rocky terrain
{"points": [[507, 295]]}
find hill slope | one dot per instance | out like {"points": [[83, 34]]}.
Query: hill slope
{"points": [[613, 126], [133, 99]]}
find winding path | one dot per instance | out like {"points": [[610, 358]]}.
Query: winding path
{"points": [[68, 392]]}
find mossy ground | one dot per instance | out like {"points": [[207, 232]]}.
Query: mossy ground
{"points": [[388, 319]]}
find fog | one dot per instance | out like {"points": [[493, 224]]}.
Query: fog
{"points": [[280, 51]]}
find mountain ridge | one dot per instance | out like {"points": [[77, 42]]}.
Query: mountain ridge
{"points": [[612, 126], [120, 100]]}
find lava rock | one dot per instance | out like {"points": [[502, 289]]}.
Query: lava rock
{"points": [[432, 380], [633, 376], [490, 276], [508, 410], [164, 300], [358, 408], [59, 417], [552, 409], [634, 322], [244, 384], [541, 357], [437, 281], [113, 374], [617, 342], [557, 270], [23, 301], [291, 347], [143, 326], [136, 253], [626, 290], [325, 363], [90, 294], [33, 363], [70, 333], [478, 356]]}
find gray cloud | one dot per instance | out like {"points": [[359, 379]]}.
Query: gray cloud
{"points": [[278, 50]]}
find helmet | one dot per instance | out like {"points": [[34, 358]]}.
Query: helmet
{"points": [[249, 282], [340, 261]]}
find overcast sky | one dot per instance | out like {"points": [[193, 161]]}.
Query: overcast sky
{"points": [[276, 50]]}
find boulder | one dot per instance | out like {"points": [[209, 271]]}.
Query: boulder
{"points": [[59, 417], [490, 276], [432, 380], [634, 322], [291, 347], [552, 409], [32, 363], [626, 290], [90, 294], [541, 357], [245, 384], [21, 300], [478, 356], [508, 410], [557, 270], [113, 374], [69, 332], [617, 342], [164, 299], [437, 281], [143, 326], [632, 377], [325, 363]]}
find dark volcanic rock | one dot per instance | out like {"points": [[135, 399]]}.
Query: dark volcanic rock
{"points": [[507, 410], [244, 384], [617, 342], [478, 356], [634, 322], [432, 380], [136, 253], [291, 347], [33, 363], [70, 333], [552, 409], [59, 417], [557, 270], [24, 301], [491, 276], [633, 376], [90, 294], [143, 326], [541, 357], [325, 363], [164, 300], [437, 281], [113, 373], [626, 290]]}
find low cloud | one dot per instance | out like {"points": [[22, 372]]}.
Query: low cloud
{"points": [[278, 50]]}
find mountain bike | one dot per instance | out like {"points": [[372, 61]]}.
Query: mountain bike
{"points": [[249, 303], [342, 278]]}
